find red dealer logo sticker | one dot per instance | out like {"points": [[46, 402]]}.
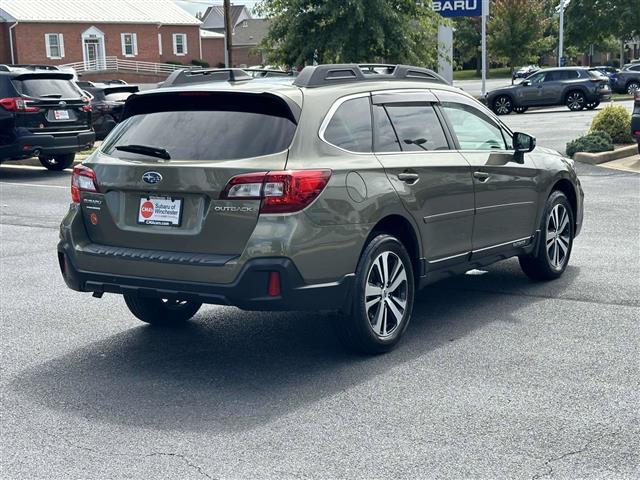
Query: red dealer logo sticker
{"points": [[94, 219], [146, 210]]}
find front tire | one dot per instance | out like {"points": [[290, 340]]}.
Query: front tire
{"points": [[57, 162], [382, 299], [575, 101], [551, 258], [502, 105], [161, 311]]}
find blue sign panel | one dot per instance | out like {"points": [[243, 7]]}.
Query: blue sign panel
{"points": [[458, 8]]}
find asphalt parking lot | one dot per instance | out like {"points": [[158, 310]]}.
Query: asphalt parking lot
{"points": [[497, 377]]}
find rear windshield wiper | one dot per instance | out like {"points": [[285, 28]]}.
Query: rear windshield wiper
{"points": [[145, 150], [51, 95]]}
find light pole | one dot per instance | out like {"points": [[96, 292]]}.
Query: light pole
{"points": [[561, 36]]}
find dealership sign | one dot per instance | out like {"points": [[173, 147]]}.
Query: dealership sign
{"points": [[458, 8]]}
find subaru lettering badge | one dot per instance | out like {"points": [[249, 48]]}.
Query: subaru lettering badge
{"points": [[152, 177]]}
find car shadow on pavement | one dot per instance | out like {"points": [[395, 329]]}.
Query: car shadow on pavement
{"points": [[246, 369]]}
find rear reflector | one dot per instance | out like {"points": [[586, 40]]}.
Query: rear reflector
{"points": [[281, 192], [274, 284], [83, 179]]}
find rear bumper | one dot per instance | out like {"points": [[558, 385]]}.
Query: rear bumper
{"points": [[30, 145], [249, 291]]}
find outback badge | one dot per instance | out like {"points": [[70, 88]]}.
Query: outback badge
{"points": [[152, 177]]}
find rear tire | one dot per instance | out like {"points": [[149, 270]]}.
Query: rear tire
{"points": [[632, 87], [592, 105], [57, 162], [382, 298], [520, 109], [551, 258], [575, 101], [159, 311]]}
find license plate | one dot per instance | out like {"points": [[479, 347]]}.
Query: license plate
{"points": [[61, 114], [160, 211]]}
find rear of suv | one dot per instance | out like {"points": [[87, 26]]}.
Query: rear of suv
{"points": [[42, 113], [347, 191]]}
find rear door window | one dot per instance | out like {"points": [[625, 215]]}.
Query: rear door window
{"points": [[417, 127], [47, 88], [208, 128], [350, 126]]}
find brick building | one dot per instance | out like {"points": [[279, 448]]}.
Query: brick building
{"points": [[66, 31]]}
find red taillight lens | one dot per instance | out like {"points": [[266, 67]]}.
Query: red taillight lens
{"points": [[82, 179], [17, 104], [281, 192]]}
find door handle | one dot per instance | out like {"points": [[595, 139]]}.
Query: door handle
{"points": [[481, 176], [408, 177]]}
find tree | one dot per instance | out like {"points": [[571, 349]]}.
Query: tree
{"points": [[515, 31], [396, 31], [467, 40]]}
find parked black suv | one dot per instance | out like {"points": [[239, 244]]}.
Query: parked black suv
{"points": [[107, 103], [42, 113], [575, 87], [628, 79]]}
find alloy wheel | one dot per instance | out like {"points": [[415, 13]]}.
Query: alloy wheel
{"points": [[631, 89], [386, 294], [502, 106], [575, 101], [558, 236]]}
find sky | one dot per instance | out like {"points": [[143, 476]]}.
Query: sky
{"points": [[193, 6]]}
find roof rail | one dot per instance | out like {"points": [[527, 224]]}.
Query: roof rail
{"points": [[186, 76], [321, 75]]}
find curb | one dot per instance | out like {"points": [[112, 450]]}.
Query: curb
{"points": [[602, 157]]}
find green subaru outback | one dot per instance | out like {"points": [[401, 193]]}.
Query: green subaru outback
{"points": [[347, 189]]}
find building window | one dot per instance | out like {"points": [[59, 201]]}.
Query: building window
{"points": [[54, 45], [160, 44], [129, 44], [179, 44]]}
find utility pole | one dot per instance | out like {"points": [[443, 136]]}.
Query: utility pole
{"points": [[561, 39], [228, 40]]}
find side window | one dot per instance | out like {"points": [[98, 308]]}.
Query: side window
{"points": [[417, 127], [350, 126], [474, 130], [635, 68], [537, 78], [385, 139], [553, 77]]}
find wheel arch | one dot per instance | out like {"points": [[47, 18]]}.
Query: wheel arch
{"points": [[405, 231], [574, 88], [565, 186]]}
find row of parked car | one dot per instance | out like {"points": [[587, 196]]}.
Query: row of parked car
{"points": [[576, 87]]}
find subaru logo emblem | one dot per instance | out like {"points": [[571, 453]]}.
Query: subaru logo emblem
{"points": [[62, 103], [152, 177]]}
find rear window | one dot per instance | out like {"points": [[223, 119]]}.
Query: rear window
{"points": [[201, 128], [47, 88]]}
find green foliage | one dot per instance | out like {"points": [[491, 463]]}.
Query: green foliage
{"points": [[592, 21], [395, 31], [614, 120], [515, 30], [466, 39], [593, 142], [199, 63]]}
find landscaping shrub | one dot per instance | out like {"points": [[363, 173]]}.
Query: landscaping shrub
{"points": [[614, 120], [593, 142], [200, 63]]}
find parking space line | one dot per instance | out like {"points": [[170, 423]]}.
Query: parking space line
{"points": [[32, 185]]}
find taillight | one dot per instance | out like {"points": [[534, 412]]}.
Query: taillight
{"points": [[281, 192], [17, 104], [83, 179]]}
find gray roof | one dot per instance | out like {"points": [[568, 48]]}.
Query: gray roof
{"points": [[251, 34], [213, 18], [164, 12]]}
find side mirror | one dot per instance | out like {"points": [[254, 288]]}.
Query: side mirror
{"points": [[523, 143]]}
